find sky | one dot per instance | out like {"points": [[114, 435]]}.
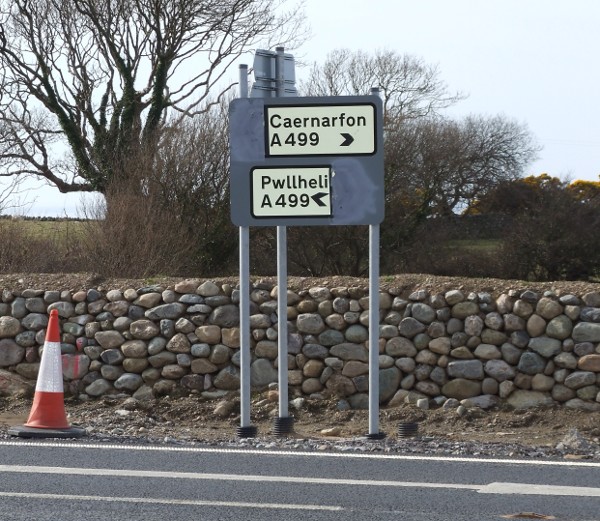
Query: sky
{"points": [[534, 61]]}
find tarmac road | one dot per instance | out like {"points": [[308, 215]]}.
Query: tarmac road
{"points": [[47, 480]]}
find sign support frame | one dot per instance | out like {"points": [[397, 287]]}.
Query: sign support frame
{"points": [[283, 424]]}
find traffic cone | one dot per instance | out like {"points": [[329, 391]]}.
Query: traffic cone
{"points": [[48, 418]]}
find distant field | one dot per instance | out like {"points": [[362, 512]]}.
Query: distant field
{"points": [[475, 245], [58, 231]]}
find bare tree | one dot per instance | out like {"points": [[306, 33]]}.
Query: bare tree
{"points": [[440, 166], [100, 78], [410, 88]]}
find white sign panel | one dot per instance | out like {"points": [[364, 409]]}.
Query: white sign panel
{"points": [[291, 192], [320, 130]]}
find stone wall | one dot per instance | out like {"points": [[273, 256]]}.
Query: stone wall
{"points": [[527, 348]]}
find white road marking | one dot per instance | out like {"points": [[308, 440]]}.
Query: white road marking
{"points": [[304, 454], [167, 501], [76, 471], [539, 490], [491, 488]]}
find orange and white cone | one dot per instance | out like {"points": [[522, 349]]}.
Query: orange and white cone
{"points": [[48, 417], [48, 410]]}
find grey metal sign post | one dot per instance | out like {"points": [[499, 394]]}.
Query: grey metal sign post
{"points": [[246, 429]]}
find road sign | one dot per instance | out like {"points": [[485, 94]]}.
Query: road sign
{"points": [[349, 131], [320, 130], [265, 75], [291, 192]]}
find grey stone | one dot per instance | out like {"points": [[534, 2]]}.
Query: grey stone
{"points": [[561, 393], [75, 366], [311, 323], [541, 382], [510, 353], [173, 371], [400, 347], [566, 360], [579, 404], [440, 345], [266, 349], [388, 331], [262, 373], [35, 321], [217, 301], [483, 401], [25, 339], [523, 399], [112, 356], [389, 381], [548, 308], [487, 352], [410, 327], [423, 313], [200, 350], [156, 345], [359, 401], [499, 370], [121, 324], [135, 365], [579, 379], [547, 347], [35, 305], [531, 363], [559, 327], [208, 289], [17, 308], [171, 311], [179, 344], [340, 385], [315, 351], [65, 309], [331, 337], [348, 351], [519, 339], [473, 325], [469, 369], [11, 353], [490, 336], [109, 339], [356, 334], [220, 354], [590, 314], [134, 349], [584, 332], [128, 382], [225, 316], [454, 297], [461, 388], [203, 366], [162, 359], [99, 387], [9, 327], [583, 348], [513, 323], [464, 309], [144, 329]]}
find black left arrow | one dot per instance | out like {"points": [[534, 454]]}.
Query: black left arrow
{"points": [[317, 198], [348, 139]]}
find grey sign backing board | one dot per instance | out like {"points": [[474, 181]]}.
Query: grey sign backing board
{"points": [[320, 158]]}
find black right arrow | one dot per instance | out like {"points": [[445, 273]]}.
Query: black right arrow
{"points": [[317, 198], [348, 139]]}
